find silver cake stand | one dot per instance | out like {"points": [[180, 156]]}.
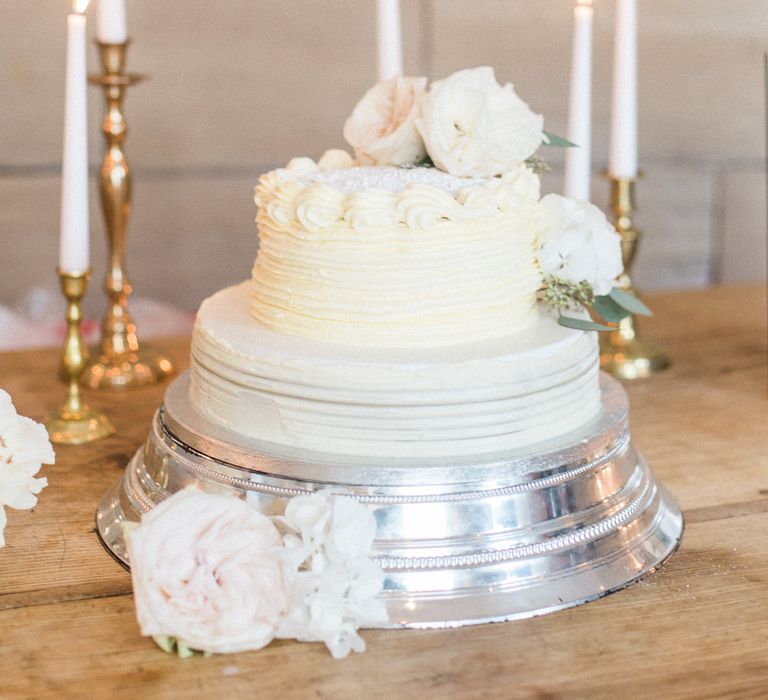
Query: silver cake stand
{"points": [[461, 541]]}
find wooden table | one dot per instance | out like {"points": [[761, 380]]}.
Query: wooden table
{"points": [[697, 628]]}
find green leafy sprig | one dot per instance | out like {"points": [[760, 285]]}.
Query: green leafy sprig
{"points": [[611, 308], [561, 294], [536, 164]]}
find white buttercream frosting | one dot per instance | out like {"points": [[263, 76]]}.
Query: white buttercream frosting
{"points": [[397, 257], [506, 393]]}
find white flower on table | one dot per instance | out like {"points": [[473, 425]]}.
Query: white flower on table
{"points": [[472, 126], [334, 592], [206, 570], [24, 448], [382, 128], [576, 243]]}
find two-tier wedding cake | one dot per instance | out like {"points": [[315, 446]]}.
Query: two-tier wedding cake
{"points": [[416, 335], [392, 312]]}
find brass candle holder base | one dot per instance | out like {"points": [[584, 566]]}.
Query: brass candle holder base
{"points": [[75, 423], [120, 363], [627, 356], [127, 370], [79, 427], [624, 353]]}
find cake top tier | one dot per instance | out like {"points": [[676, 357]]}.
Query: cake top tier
{"points": [[394, 257], [433, 233]]}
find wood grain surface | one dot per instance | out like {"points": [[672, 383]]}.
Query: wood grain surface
{"points": [[697, 628]]}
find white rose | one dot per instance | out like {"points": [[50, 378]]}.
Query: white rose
{"points": [[24, 447], [206, 569], [576, 243], [382, 126], [472, 126]]}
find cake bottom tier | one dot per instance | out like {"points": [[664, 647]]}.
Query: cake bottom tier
{"points": [[461, 541]]}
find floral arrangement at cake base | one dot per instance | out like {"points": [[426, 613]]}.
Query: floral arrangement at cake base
{"points": [[212, 574], [24, 448]]}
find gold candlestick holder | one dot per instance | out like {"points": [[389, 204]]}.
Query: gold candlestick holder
{"points": [[75, 423], [120, 363], [624, 353]]}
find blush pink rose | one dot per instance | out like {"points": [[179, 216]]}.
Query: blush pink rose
{"points": [[382, 127], [206, 570]]}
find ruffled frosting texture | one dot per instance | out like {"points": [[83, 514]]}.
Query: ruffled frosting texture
{"points": [[394, 257]]}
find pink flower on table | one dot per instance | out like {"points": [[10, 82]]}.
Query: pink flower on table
{"points": [[206, 570]]}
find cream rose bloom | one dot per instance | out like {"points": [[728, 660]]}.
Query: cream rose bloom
{"points": [[474, 127], [576, 243], [382, 127], [207, 570], [24, 448]]}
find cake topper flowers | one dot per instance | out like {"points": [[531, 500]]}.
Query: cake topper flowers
{"points": [[467, 125], [470, 126], [24, 448]]}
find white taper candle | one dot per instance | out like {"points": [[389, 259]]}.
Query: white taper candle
{"points": [[623, 155], [578, 161], [388, 39], [111, 25], [74, 234]]}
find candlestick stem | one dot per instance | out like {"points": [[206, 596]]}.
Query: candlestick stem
{"points": [[75, 423], [121, 363], [624, 352]]}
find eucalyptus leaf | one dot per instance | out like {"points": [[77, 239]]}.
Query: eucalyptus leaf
{"points": [[609, 309], [558, 141], [630, 302], [582, 324]]}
